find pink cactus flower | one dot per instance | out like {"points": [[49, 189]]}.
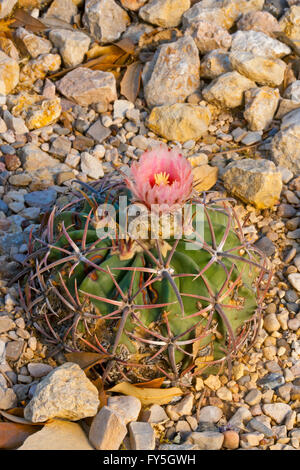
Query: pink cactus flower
{"points": [[161, 177]]}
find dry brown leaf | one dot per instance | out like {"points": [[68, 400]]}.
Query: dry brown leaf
{"points": [[130, 83], [24, 19], [205, 177], [155, 383], [13, 435], [148, 396], [100, 51], [126, 45], [102, 394], [86, 360]]}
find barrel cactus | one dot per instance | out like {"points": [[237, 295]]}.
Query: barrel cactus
{"points": [[105, 277]]}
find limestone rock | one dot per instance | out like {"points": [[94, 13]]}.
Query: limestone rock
{"points": [[142, 436], [276, 411], [165, 13], [105, 19], [58, 435], [259, 44], [292, 92], [256, 182], [86, 87], [133, 4], [62, 9], [214, 64], [228, 90], [128, 407], [210, 414], [43, 114], [209, 36], [155, 414], [285, 147], [294, 279], [261, 21], [261, 105], [9, 74], [180, 122], [205, 177], [6, 7], [64, 393], [290, 24], [108, 430], [32, 43], [173, 73], [33, 158], [262, 70], [38, 68], [207, 440], [91, 166], [72, 45]]}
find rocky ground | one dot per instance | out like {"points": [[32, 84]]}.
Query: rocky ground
{"points": [[221, 80]]}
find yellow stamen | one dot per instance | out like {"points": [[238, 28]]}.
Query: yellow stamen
{"points": [[161, 178]]}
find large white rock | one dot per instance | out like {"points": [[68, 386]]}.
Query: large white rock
{"points": [[165, 13], [105, 19], [228, 90], [285, 147], [64, 393], [261, 105], [292, 92], [209, 36], [290, 23], [173, 73], [72, 45], [259, 44], [262, 70]]}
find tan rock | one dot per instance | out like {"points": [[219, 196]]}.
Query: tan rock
{"points": [[62, 9], [87, 87], [7, 46], [214, 64], [58, 435], [228, 89], [213, 382], [72, 45], [285, 147], [105, 19], [261, 21], [165, 13], [32, 43], [205, 177], [133, 4], [6, 7], [257, 182], [262, 70], [173, 73], [231, 439], [290, 23], [108, 430], [208, 36], [43, 114], [180, 122], [261, 105], [259, 44], [9, 73]]}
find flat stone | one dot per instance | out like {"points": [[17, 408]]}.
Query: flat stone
{"points": [[228, 89], [72, 45], [251, 439], [180, 122], [14, 350], [254, 181], [38, 369], [142, 436], [294, 279], [60, 147], [173, 73], [62, 9], [64, 393], [209, 36], [105, 19], [253, 397], [133, 4], [98, 132], [16, 124], [128, 407], [165, 13], [155, 414], [207, 440], [213, 382], [42, 199], [268, 248], [241, 416], [210, 414], [184, 406], [33, 158], [58, 435], [276, 411], [262, 70], [86, 87], [258, 426], [108, 430], [259, 44]]}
